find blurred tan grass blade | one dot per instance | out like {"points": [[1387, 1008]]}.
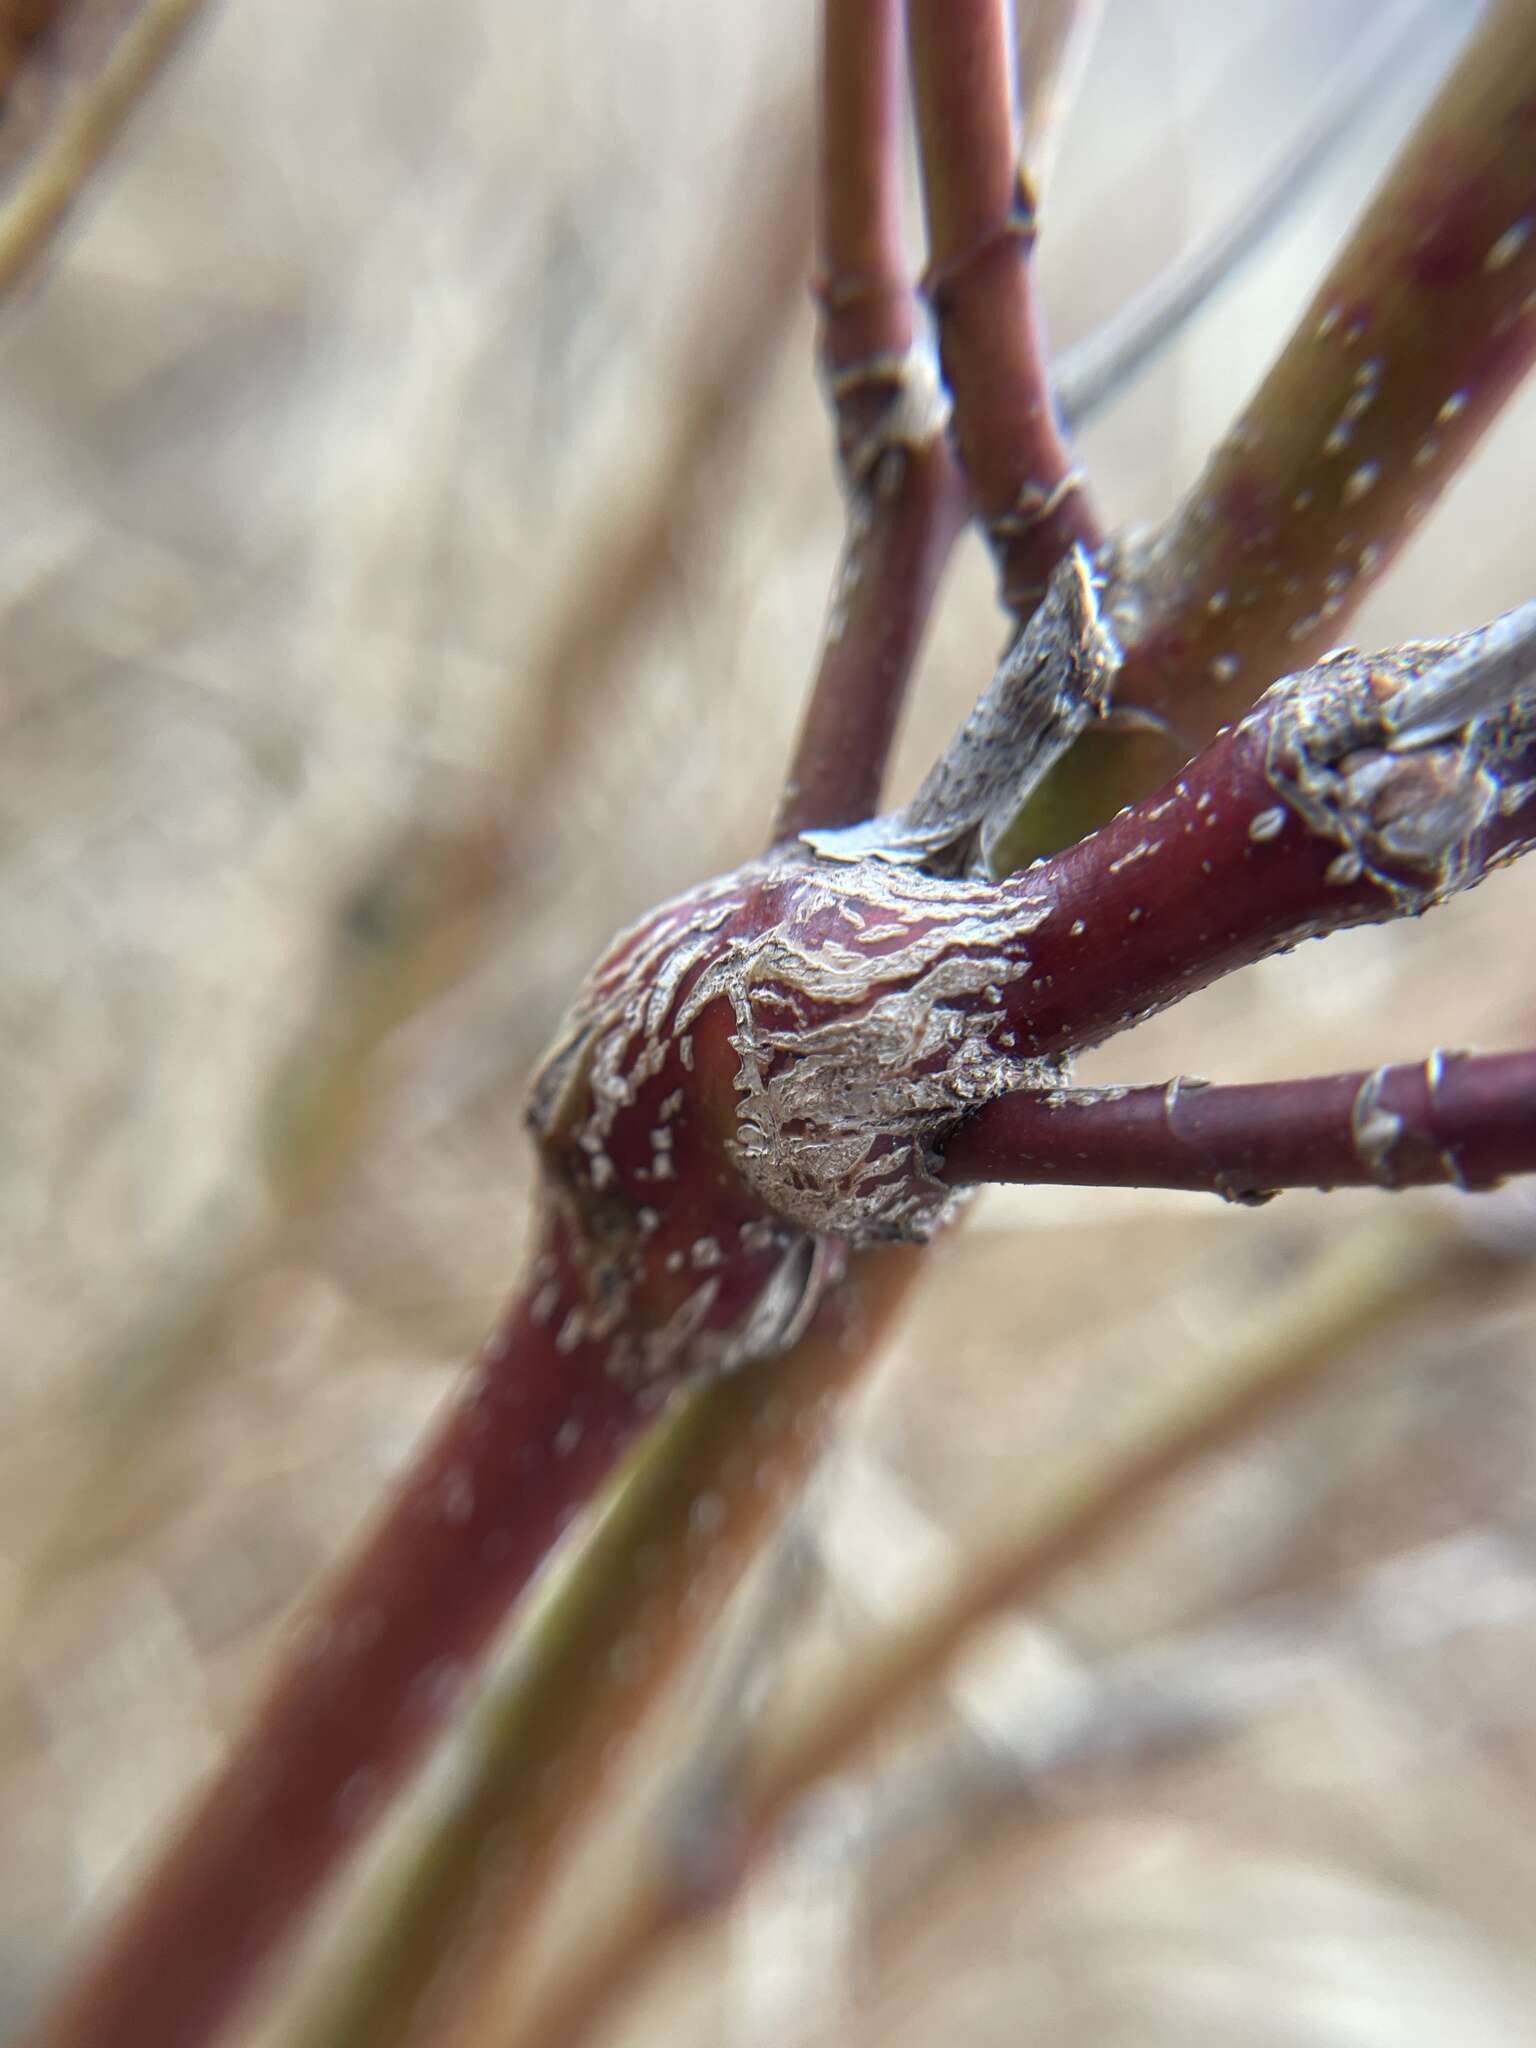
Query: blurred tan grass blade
{"points": [[1371, 1277], [64, 118], [1054, 40]]}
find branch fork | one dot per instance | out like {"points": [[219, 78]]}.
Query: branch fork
{"points": [[773, 1080], [800, 1040]]}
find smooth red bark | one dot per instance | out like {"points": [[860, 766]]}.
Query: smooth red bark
{"points": [[980, 283], [907, 504], [525, 1444], [1457, 1118]]}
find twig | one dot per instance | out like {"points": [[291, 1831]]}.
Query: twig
{"points": [[1454, 1118], [465, 1864], [1410, 346], [869, 316], [1350, 794], [1404, 836], [903, 522], [1341, 799], [820, 1027], [981, 233], [525, 1445], [1094, 372], [1423, 327], [878, 1006], [906, 502], [1383, 806], [1359, 790]]}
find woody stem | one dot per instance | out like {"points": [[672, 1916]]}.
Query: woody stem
{"points": [[981, 213], [906, 502], [1470, 1121], [528, 1441]]}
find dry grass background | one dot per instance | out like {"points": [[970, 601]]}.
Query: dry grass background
{"points": [[331, 410]]}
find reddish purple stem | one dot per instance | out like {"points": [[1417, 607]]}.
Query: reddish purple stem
{"points": [[907, 501], [1215, 871], [527, 1442], [981, 285], [1452, 1118]]}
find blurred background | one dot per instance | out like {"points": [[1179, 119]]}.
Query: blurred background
{"points": [[417, 522]]}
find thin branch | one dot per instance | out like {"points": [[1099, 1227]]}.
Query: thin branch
{"points": [[1410, 346], [1095, 372], [869, 315], [1454, 1118], [1366, 788], [904, 520], [88, 123], [857, 1008], [189, 1962], [1424, 326], [465, 1866], [980, 282], [524, 1446], [1352, 794], [1362, 789], [906, 502]]}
